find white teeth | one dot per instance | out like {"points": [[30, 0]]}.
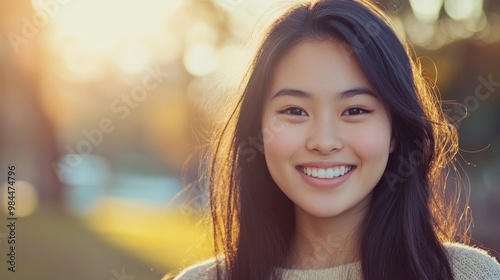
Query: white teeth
{"points": [[336, 172], [326, 173], [329, 173], [321, 173]]}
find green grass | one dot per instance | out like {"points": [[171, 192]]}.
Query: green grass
{"points": [[145, 241]]}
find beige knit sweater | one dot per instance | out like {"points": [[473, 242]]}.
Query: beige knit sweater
{"points": [[468, 263]]}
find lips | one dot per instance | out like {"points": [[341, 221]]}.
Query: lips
{"points": [[328, 173]]}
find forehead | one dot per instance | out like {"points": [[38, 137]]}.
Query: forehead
{"points": [[319, 66]]}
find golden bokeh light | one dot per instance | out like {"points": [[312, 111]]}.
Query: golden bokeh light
{"points": [[426, 10], [25, 199], [463, 9], [133, 57], [201, 59], [99, 25]]}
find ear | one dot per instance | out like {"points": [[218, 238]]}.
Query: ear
{"points": [[392, 146]]}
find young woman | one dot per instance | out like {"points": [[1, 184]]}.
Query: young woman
{"points": [[355, 152]]}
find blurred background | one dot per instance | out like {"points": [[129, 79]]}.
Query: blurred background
{"points": [[102, 103]]}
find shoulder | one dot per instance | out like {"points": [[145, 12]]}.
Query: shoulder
{"points": [[205, 270], [472, 263]]}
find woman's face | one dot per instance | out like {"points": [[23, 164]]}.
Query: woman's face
{"points": [[327, 136]]}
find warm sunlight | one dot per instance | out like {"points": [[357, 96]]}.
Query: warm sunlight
{"points": [[89, 35], [112, 108]]}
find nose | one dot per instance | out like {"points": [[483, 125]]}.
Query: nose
{"points": [[324, 137]]}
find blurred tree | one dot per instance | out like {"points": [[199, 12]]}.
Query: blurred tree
{"points": [[28, 137]]}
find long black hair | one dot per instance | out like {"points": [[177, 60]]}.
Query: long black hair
{"points": [[409, 216]]}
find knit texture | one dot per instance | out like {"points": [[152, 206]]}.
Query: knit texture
{"points": [[468, 263]]}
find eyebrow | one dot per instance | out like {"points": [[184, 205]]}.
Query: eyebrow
{"points": [[342, 95]]}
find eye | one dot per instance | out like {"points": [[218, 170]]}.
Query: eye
{"points": [[293, 111], [355, 111]]}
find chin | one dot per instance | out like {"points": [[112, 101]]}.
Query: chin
{"points": [[323, 213]]}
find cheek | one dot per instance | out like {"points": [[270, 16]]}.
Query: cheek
{"points": [[280, 139], [371, 141]]}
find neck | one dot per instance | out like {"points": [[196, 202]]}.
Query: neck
{"points": [[326, 242]]}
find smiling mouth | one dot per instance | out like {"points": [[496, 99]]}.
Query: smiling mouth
{"points": [[326, 173]]}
